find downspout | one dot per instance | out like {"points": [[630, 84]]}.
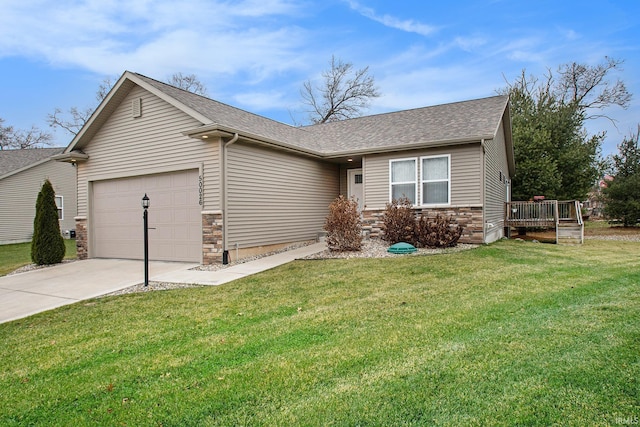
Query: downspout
{"points": [[225, 251], [484, 190]]}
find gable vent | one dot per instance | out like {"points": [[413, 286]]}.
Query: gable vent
{"points": [[136, 107]]}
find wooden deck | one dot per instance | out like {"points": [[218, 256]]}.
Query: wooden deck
{"points": [[564, 216]]}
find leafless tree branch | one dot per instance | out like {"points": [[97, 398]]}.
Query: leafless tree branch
{"points": [[344, 93]]}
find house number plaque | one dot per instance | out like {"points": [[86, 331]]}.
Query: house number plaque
{"points": [[201, 189]]}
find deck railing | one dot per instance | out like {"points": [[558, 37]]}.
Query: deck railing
{"points": [[564, 216], [532, 214]]}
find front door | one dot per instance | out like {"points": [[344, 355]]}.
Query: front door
{"points": [[356, 187]]}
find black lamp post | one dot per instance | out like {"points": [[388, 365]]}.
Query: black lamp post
{"points": [[145, 218]]}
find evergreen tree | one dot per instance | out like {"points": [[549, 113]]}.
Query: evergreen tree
{"points": [[47, 245], [554, 156], [622, 195]]}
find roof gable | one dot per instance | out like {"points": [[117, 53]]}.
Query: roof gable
{"points": [[14, 161]]}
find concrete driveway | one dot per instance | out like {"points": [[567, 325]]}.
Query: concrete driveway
{"points": [[31, 292], [24, 294]]}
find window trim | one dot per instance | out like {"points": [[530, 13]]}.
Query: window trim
{"points": [[424, 181], [61, 208], [414, 182]]}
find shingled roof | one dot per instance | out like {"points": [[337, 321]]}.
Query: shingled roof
{"points": [[466, 121], [12, 161], [459, 122]]}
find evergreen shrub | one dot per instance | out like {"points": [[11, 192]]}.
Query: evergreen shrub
{"points": [[47, 244]]}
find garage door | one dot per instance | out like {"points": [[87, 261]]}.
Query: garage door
{"points": [[175, 224]]}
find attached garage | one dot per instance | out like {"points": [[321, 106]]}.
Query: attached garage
{"points": [[175, 224]]}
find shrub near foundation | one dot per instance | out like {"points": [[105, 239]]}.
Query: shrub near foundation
{"points": [[399, 222], [343, 225], [47, 244], [439, 233], [400, 225]]}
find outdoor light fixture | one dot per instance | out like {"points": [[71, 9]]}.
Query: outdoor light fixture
{"points": [[145, 220]]}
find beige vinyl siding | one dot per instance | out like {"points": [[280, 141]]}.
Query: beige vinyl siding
{"points": [[465, 174], [495, 189], [19, 193], [152, 143], [276, 197], [344, 181]]}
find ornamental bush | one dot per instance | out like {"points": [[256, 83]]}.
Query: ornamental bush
{"points": [[400, 225], [439, 233], [399, 222], [47, 244], [343, 225]]}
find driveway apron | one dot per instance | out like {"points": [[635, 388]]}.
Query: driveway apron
{"points": [[34, 291]]}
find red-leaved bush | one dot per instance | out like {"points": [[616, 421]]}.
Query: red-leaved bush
{"points": [[400, 225], [399, 222], [343, 225], [439, 233]]}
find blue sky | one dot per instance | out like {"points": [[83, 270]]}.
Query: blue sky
{"points": [[256, 54]]}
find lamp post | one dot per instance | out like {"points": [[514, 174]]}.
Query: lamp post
{"points": [[145, 219]]}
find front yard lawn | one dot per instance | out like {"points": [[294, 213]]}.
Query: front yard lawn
{"points": [[513, 333], [18, 255]]}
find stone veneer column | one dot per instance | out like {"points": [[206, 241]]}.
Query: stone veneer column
{"points": [[82, 243], [212, 237]]}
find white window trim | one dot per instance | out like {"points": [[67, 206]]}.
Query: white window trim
{"points": [[415, 181], [61, 207], [424, 181]]}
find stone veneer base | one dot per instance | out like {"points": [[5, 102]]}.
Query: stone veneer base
{"points": [[471, 218], [82, 244], [212, 245]]}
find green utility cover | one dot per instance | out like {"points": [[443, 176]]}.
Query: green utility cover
{"points": [[402, 248]]}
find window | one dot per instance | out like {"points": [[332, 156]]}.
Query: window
{"points": [[403, 177], [60, 207], [435, 180], [357, 178]]}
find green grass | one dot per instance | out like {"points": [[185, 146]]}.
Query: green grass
{"points": [[513, 333], [18, 255]]}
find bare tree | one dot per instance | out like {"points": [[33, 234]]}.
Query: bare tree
{"points": [[75, 118], [590, 88], [344, 93], [188, 82], [5, 134], [11, 138]]}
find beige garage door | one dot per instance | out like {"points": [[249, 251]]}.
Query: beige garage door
{"points": [[175, 222]]}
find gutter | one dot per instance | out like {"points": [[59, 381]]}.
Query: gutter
{"points": [[225, 201]]}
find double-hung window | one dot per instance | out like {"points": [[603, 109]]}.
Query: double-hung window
{"points": [[60, 206], [436, 185], [403, 177]]}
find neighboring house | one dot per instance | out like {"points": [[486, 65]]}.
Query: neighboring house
{"points": [[595, 199], [225, 181], [22, 173]]}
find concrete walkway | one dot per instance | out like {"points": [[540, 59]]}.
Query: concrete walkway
{"points": [[32, 292]]}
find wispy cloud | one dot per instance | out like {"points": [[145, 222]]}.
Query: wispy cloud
{"points": [[408, 25], [157, 37]]}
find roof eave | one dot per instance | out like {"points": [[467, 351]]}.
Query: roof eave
{"points": [[218, 130], [72, 157], [407, 147]]}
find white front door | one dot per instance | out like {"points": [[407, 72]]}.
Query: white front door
{"points": [[355, 186]]}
